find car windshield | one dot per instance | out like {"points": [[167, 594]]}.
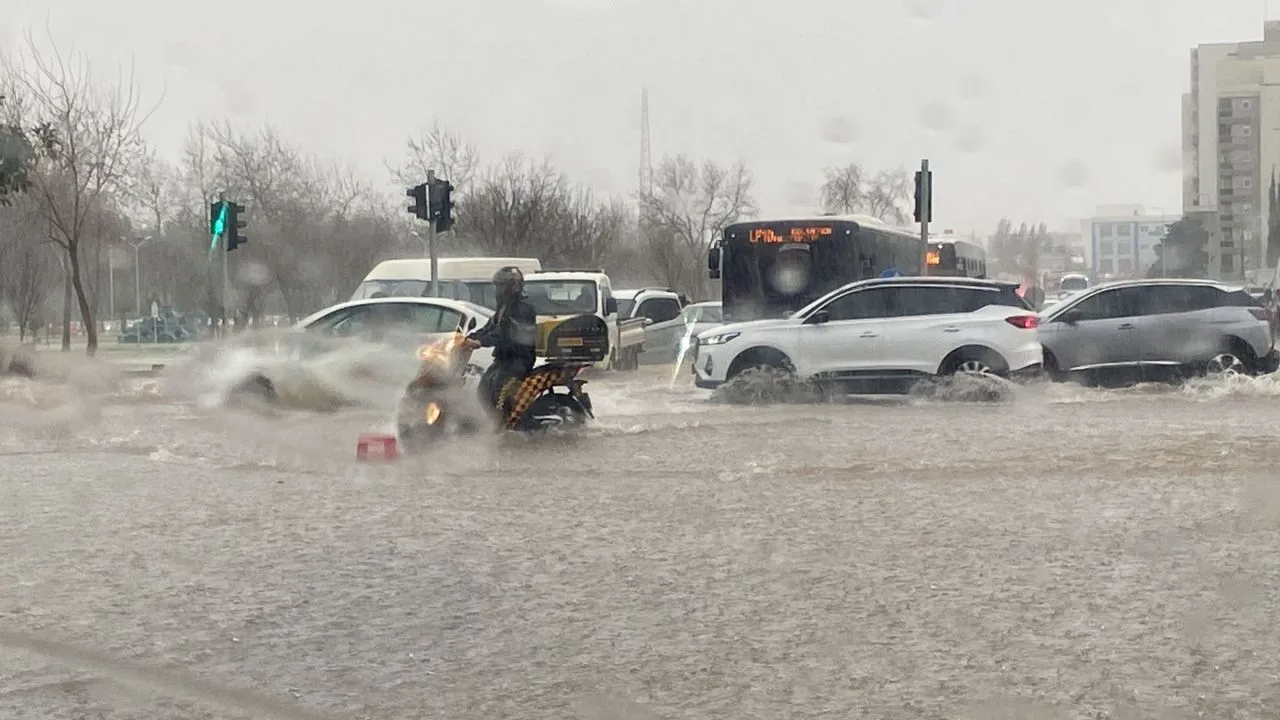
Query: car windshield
{"points": [[702, 314], [562, 297]]}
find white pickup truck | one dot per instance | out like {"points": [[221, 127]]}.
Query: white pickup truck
{"points": [[565, 293], [664, 327]]}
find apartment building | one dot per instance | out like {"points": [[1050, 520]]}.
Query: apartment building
{"points": [[1121, 240], [1231, 146]]}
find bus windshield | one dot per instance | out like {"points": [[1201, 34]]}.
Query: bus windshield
{"points": [[773, 268]]}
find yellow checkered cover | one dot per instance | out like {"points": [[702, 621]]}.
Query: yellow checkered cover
{"points": [[524, 391]]}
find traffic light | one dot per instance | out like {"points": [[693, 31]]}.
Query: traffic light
{"points": [[442, 205], [420, 208], [235, 223], [924, 196], [217, 221]]}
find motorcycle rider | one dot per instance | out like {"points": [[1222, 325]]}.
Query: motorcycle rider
{"points": [[512, 333]]}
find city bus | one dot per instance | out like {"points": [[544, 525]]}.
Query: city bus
{"points": [[771, 268], [949, 256]]}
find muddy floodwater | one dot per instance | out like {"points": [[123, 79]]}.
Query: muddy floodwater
{"points": [[1065, 553]]}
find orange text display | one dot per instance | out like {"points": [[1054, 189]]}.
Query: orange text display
{"points": [[768, 236]]}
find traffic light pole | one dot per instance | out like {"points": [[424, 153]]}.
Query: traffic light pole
{"points": [[431, 244]]}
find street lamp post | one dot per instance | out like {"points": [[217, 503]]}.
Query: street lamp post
{"points": [[137, 270], [111, 283]]}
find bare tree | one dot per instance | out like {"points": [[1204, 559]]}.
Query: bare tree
{"points": [[889, 196], [97, 144], [689, 207], [842, 190], [315, 228], [442, 150], [529, 208], [28, 277], [26, 266], [886, 195]]}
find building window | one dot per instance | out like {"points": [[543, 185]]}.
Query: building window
{"points": [[1105, 230], [1245, 131], [1246, 235], [1124, 229], [1227, 266], [1245, 104], [1124, 267], [1107, 248], [1245, 182]]}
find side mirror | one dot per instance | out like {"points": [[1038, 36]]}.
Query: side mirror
{"points": [[713, 260], [648, 322], [1071, 317], [821, 317], [611, 307]]}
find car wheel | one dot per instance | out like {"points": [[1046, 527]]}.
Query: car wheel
{"points": [[1225, 364], [1051, 369], [257, 388], [974, 361], [761, 360]]}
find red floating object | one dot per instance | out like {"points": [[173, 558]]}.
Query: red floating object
{"points": [[376, 446]]}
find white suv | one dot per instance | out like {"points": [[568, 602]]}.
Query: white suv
{"points": [[883, 335]]}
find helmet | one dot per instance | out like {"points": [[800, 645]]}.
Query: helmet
{"points": [[509, 282]]}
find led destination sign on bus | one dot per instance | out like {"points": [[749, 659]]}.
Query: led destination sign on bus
{"points": [[800, 234]]}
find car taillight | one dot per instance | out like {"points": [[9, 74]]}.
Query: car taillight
{"points": [[1260, 313], [1024, 322]]}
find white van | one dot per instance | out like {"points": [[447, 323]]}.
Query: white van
{"points": [[465, 278]]}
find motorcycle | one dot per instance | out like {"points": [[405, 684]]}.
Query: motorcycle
{"points": [[435, 405]]}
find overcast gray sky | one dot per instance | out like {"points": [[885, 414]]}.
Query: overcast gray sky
{"points": [[1030, 109]]}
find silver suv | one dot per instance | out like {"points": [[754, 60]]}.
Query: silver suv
{"points": [[1197, 325]]}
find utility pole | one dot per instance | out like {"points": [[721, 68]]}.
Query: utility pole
{"points": [[137, 244], [924, 206]]}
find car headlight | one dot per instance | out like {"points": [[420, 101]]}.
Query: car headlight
{"points": [[719, 339]]}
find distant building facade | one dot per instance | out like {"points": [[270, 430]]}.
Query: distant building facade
{"points": [[1231, 147], [1121, 240]]}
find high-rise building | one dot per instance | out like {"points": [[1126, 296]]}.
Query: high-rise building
{"points": [[1120, 240], [1231, 147]]}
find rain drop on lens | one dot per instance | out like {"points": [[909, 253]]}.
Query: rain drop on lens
{"points": [[924, 9]]}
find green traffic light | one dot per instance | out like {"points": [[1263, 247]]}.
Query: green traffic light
{"points": [[219, 225]]}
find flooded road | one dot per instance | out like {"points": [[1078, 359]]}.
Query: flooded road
{"points": [[1068, 553]]}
